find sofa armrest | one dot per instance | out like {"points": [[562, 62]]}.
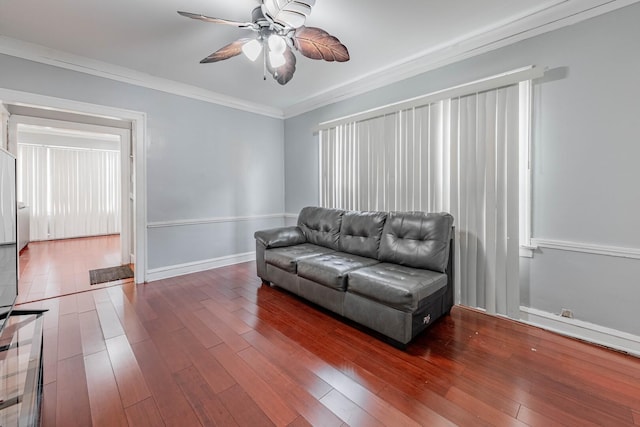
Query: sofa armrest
{"points": [[279, 237]]}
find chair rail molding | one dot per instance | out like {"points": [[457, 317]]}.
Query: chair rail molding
{"points": [[215, 220], [589, 248]]}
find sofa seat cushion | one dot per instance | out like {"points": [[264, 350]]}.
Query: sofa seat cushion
{"points": [[286, 258], [331, 270], [395, 285]]}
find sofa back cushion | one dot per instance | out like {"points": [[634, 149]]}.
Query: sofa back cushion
{"points": [[417, 239], [321, 226], [361, 231]]}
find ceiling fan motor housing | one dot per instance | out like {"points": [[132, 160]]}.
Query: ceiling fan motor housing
{"points": [[257, 16]]}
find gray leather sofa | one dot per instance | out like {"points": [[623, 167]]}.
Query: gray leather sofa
{"points": [[391, 272]]}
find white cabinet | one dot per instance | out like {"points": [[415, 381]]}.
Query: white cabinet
{"points": [[24, 213]]}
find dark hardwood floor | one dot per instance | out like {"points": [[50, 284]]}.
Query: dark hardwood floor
{"points": [[61, 267], [217, 348]]}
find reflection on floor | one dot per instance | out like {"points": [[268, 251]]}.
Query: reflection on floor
{"points": [[61, 267], [218, 348]]}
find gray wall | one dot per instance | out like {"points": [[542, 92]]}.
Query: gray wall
{"points": [[203, 161], [586, 149]]}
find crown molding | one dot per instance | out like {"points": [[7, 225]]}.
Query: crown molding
{"points": [[44, 55], [548, 17]]}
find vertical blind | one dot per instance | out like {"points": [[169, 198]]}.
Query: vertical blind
{"points": [[71, 192], [459, 155]]}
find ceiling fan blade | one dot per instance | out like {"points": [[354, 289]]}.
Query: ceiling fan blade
{"points": [[287, 13], [226, 52], [316, 43], [217, 20], [284, 73]]}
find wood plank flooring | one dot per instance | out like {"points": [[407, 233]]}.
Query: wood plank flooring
{"points": [[217, 348], [61, 267]]}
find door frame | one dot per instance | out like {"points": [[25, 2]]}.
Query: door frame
{"points": [[138, 134], [4, 127]]}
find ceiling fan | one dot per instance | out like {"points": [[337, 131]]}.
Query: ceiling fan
{"points": [[279, 28]]}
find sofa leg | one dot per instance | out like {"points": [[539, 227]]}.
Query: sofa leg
{"points": [[266, 282]]}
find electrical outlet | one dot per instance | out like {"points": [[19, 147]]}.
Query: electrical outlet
{"points": [[566, 313]]}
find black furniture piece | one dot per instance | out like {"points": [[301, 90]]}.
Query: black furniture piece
{"points": [[391, 272], [21, 369]]}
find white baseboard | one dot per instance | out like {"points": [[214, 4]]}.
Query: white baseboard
{"points": [[197, 266], [586, 331]]}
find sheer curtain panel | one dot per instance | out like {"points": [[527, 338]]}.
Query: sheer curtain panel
{"points": [[33, 187], [72, 192]]}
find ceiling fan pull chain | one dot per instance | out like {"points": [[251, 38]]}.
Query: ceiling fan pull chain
{"points": [[264, 64]]}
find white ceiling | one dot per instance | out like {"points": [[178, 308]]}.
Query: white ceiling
{"points": [[387, 40]]}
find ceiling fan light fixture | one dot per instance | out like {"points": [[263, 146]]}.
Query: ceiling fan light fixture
{"points": [[252, 49], [277, 44], [276, 59], [281, 32]]}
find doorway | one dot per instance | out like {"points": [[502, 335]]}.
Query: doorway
{"points": [[126, 127], [74, 194], [76, 179]]}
